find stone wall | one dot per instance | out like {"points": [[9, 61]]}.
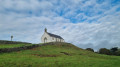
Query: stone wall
{"points": [[7, 50], [12, 42]]}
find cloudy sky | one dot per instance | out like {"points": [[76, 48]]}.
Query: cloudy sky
{"points": [[85, 23]]}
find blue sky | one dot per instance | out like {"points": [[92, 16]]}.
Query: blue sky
{"points": [[85, 23]]}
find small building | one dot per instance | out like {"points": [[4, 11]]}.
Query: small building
{"points": [[49, 37]]}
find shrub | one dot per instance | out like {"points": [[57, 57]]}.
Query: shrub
{"points": [[114, 49], [90, 49], [105, 51], [117, 53]]}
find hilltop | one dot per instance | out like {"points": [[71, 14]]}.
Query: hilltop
{"points": [[57, 55]]}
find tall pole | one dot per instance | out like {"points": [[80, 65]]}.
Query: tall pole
{"points": [[11, 38]]}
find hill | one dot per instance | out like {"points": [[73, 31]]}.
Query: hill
{"points": [[57, 55]]}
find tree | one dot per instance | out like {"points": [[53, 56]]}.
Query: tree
{"points": [[104, 51], [114, 49], [90, 49], [11, 38], [117, 52]]}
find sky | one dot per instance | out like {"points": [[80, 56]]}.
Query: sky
{"points": [[84, 23]]}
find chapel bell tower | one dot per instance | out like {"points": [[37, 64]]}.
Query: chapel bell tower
{"points": [[45, 29]]}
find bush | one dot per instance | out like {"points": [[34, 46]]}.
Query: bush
{"points": [[117, 53], [114, 49], [90, 49], [105, 51]]}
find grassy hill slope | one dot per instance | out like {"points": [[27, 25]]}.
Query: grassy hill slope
{"points": [[57, 55]]}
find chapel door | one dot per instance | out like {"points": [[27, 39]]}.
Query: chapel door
{"points": [[45, 40]]}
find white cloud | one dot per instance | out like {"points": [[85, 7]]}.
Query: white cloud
{"points": [[29, 27]]}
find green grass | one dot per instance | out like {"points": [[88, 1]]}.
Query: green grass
{"points": [[59, 55]]}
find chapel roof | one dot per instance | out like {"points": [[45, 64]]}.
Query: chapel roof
{"points": [[53, 35]]}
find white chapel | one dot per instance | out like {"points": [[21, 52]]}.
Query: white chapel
{"points": [[48, 37]]}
